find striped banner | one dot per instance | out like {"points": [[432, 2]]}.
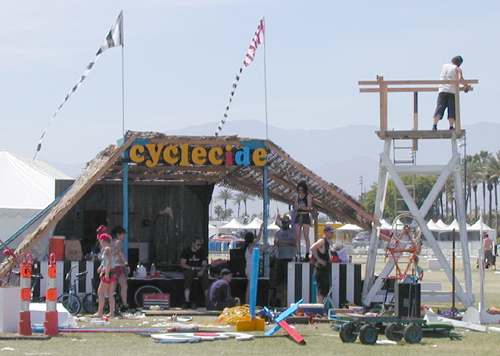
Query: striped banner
{"points": [[113, 39], [346, 284], [257, 39]]}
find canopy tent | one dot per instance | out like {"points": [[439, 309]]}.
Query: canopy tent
{"points": [[441, 224], [384, 225], [346, 232], [433, 226], [26, 187], [454, 225], [273, 227], [254, 225], [479, 226], [233, 225]]}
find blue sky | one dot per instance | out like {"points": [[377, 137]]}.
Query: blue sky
{"points": [[181, 56]]}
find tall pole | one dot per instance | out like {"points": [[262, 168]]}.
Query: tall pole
{"points": [[265, 74], [125, 164]]}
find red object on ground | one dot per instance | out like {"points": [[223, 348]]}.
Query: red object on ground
{"points": [[292, 332]]}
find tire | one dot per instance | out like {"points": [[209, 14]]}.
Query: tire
{"points": [[70, 302], [413, 333], [368, 334], [394, 331], [348, 332], [147, 289], [90, 303]]}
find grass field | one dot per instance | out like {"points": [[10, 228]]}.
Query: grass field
{"points": [[320, 338]]}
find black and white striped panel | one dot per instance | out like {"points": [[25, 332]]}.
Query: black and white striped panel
{"points": [[299, 283], [84, 286], [346, 282]]}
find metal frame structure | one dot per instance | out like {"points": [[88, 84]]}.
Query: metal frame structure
{"points": [[390, 168]]}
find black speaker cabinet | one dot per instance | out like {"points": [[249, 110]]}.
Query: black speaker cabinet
{"points": [[407, 300], [237, 262]]}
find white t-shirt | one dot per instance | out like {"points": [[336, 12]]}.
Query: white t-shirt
{"points": [[449, 72]]}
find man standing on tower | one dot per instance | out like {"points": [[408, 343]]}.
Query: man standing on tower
{"points": [[446, 96]]}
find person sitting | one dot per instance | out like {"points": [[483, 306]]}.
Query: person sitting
{"points": [[219, 295], [194, 262]]}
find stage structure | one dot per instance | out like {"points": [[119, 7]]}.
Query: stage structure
{"points": [[395, 167]]}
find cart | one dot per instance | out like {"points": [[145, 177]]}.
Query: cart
{"points": [[396, 328]]}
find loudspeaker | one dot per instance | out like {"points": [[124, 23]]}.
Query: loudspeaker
{"points": [[407, 300], [237, 262]]}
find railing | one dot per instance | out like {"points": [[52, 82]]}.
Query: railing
{"points": [[414, 86]]}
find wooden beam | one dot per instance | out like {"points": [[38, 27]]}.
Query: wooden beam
{"points": [[417, 82]]}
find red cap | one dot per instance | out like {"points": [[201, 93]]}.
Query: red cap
{"points": [[104, 237]]}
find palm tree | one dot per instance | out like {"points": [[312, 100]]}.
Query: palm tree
{"points": [[242, 197], [225, 195], [494, 173]]}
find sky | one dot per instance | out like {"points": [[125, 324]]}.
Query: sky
{"points": [[181, 56]]}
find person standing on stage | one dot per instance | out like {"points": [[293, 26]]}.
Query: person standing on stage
{"points": [[322, 267], [286, 250], [303, 207]]}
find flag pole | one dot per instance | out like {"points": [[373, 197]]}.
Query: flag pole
{"points": [[265, 75]]}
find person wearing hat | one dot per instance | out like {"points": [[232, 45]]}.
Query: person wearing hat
{"points": [[286, 249], [446, 96], [108, 276], [321, 253], [219, 295]]}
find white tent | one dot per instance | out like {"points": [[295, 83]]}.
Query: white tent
{"points": [[233, 225], [454, 225], [26, 187], [440, 223], [350, 228], [433, 226], [492, 234], [254, 225], [273, 227], [384, 225], [346, 232]]}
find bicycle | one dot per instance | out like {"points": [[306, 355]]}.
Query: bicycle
{"points": [[72, 301]]}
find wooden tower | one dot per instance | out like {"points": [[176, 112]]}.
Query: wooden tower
{"points": [[396, 168]]}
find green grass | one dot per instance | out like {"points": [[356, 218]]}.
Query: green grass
{"points": [[320, 338]]}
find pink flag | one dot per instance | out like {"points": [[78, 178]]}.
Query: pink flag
{"points": [[258, 39]]}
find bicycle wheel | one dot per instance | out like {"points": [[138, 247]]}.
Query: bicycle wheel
{"points": [[90, 301], [147, 289], [70, 302]]}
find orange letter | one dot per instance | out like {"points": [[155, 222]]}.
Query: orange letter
{"points": [[260, 157], [213, 155], [170, 155], [154, 154], [134, 153], [184, 155], [199, 155]]}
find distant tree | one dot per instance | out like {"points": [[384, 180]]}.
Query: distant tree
{"points": [[218, 211], [225, 195], [228, 213], [242, 197]]}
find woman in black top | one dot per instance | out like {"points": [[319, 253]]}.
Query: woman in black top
{"points": [[303, 207]]}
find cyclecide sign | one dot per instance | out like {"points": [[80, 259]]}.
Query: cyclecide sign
{"points": [[253, 153]]}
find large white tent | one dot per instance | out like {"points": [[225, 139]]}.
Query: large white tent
{"points": [[254, 225], [26, 187], [233, 225], [481, 226]]}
